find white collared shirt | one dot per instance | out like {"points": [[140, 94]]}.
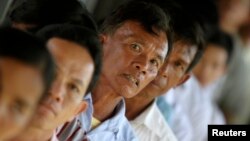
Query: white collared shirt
{"points": [[151, 126], [195, 103]]}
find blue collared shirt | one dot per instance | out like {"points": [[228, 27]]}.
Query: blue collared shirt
{"points": [[116, 128]]}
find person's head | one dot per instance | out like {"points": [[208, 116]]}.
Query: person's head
{"points": [[33, 15], [232, 14], [134, 45], [215, 60], [77, 55], [245, 32], [26, 72], [188, 46]]}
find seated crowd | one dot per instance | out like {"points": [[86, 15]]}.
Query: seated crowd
{"points": [[152, 70]]}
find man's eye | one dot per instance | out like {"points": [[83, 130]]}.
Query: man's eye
{"points": [[17, 107], [179, 65], [154, 62], [73, 88], [136, 48]]}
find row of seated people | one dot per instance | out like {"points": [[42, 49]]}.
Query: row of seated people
{"points": [[149, 73]]}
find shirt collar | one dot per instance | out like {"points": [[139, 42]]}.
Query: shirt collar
{"points": [[114, 122], [87, 116], [149, 118]]}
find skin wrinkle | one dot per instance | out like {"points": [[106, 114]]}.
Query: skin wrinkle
{"points": [[121, 59]]}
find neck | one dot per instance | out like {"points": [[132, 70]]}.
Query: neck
{"points": [[34, 134], [138, 104], [104, 96]]}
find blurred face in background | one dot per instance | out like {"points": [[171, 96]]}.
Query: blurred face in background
{"points": [[21, 87], [212, 65], [75, 68], [233, 13]]}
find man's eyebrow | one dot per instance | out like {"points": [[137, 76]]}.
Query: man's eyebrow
{"points": [[78, 81], [183, 61], [137, 39], [160, 57]]}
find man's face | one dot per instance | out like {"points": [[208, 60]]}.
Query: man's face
{"points": [[132, 58], [212, 65], [173, 71], [75, 68], [21, 87]]}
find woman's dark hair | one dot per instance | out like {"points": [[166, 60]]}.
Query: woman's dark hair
{"points": [[85, 37]]}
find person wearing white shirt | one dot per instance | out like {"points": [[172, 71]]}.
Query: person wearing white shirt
{"points": [[195, 96], [143, 113]]}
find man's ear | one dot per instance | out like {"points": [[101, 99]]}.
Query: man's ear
{"points": [[184, 78], [103, 38], [81, 108]]}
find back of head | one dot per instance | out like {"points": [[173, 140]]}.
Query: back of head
{"points": [[27, 49], [45, 12], [85, 37], [222, 40]]}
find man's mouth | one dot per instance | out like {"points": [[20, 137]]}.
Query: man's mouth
{"points": [[132, 79], [49, 108]]}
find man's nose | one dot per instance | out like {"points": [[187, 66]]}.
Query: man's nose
{"points": [[56, 92], [142, 64], [164, 71]]}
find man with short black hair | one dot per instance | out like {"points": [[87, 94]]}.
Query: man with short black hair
{"points": [[142, 110], [77, 54], [135, 47], [26, 72]]}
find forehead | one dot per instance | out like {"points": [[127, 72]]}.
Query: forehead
{"points": [[134, 30], [215, 52], [70, 57], [20, 79], [183, 51]]}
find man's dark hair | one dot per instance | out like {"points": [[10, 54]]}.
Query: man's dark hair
{"points": [[45, 12], [150, 16], [222, 40], [188, 30], [85, 37], [29, 50], [185, 26]]}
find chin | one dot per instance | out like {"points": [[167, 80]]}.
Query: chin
{"points": [[127, 92]]}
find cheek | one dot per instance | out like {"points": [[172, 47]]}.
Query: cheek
{"points": [[218, 73], [151, 76], [18, 122]]}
